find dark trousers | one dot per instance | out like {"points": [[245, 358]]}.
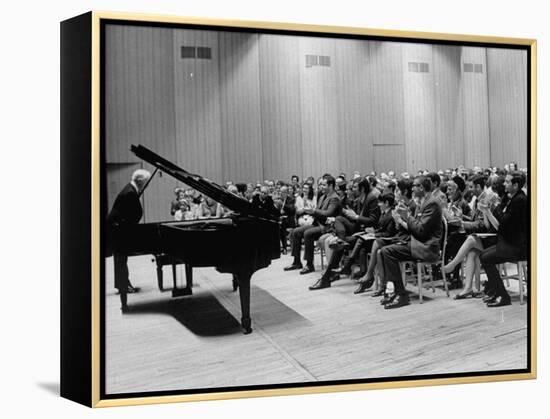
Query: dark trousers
{"points": [[489, 259], [309, 234], [122, 278], [286, 222], [344, 228], [391, 256]]}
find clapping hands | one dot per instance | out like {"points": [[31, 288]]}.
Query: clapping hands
{"points": [[349, 213]]}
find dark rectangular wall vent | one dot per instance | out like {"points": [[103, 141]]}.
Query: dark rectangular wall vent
{"points": [[312, 60], [204, 53], [188, 52], [416, 67], [324, 60], [478, 68], [468, 68]]}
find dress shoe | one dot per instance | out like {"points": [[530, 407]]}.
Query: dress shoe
{"points": [[358, 274], [500, 301], [308, 269], [489, 298], [125, 308], [343, 270], [293, 267], [468, 294], [378, 293], [334, 277], [320, 284], [132, 290], [400, 301], [364, 285], [387, 299]]}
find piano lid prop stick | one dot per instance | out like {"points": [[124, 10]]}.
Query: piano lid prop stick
{"points": [[147, 184]]}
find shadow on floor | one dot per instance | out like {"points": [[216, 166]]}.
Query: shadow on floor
{"points": [[52, 388], [202, 314]]}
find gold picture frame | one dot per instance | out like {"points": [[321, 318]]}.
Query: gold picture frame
{"points": [[82, 302]]}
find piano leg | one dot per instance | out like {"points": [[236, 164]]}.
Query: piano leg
{"points": [[159, 275], [188, 290], [244, 293]]}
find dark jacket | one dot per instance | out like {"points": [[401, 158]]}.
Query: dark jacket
{"points": [[426, 229], [267, 205], [513, 227], [126, 208], [289, 206], [126, 212], [328, 206], [369, 211], [386, 226]]}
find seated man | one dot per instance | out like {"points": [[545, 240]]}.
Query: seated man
{"points": [[264, 201], [348, 224], [287, 209], [426, 230], [327, 206], [512, 240]]}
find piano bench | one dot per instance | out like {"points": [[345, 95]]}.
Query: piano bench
{"points": [[163, 260]]}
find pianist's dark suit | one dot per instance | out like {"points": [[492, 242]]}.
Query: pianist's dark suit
{"points": [[126, 212], [512, 242]]}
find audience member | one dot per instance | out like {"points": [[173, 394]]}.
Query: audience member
{"points": [[327, 206]]}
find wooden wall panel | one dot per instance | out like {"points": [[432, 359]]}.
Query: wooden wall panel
{"points": [[197, 105], [419, 109], [353, 105], [476, 111], [280, 103], [139, 96], [389, 157], [507, 81], [385, 77], [319, 108], [449, 109], [241, 129]]}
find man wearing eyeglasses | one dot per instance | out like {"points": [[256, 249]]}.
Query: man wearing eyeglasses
{"points": [[425, 229]]}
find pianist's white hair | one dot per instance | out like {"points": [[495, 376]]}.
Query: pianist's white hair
{"points": [[140, 176]]}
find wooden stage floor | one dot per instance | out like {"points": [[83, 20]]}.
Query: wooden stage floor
{"points": [[195, 342]]}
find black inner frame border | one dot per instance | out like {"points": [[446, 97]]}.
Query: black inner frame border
{"points": [[104, 210]]}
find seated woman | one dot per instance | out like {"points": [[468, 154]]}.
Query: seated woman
{"points": [[208, 208], [405, 201], [179, 203], [474, 245], [180, 207], [367, 242], [306, 201]]}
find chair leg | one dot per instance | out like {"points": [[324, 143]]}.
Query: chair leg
{"points": [[322, 254], [403, 266], [477, 275], [522, 276], [431, 276], [445, 281], [504, 270], [419, 279]]}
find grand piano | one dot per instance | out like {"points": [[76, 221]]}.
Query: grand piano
{"points": [[242, 244]]}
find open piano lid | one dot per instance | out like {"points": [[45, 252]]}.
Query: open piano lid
{"points": [[203, 185]]}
